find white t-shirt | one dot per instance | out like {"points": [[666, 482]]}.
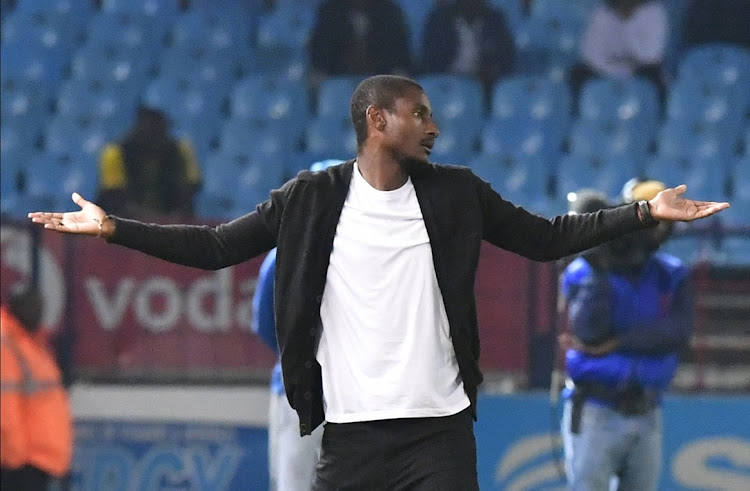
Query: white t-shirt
{"points": [[385, 348], [615, 46]]}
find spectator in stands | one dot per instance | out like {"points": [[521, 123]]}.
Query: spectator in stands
{"points": [[629, 308], [376, 261], [149, 174], [718, 21], [623, 38], [359, 37], [36, 428], [291, 458], [469, 37]]}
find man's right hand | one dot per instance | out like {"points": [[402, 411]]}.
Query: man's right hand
{"points": [[89, 220]]}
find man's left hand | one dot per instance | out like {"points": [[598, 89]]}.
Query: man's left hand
{"points": [[671, 205]]}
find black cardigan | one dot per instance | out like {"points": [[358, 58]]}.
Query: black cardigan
{"points": [[460, 210]]}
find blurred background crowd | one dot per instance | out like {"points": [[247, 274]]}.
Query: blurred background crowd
{"points": [[540, 97], [196, 109]]}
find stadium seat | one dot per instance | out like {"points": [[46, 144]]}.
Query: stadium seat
{"points": [[740, 176], [455, 145], [605, 173], [707, 103], [455, 99], [532, 97], [682, 139], [520, 179], [330, 137], [706, 177], [287, 26], [333, 95], [594, 138], [725, 64], [266, 138], [547, 47], [51, 179], [236, 180], [631, 102], [521, 137], [267, 96]]}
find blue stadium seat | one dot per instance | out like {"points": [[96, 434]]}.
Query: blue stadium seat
{"points": [[51, 179], [594, 138], [64, 139], [287, 26], [455, 145], [267, 96], [455, 99], [709, 104], [706, 177], [116, 36], [185, 99], [236, 180], [722, 64], [737, 215], [265, 138], [217, 70], [547, 47], [741, 179], [521, 137], [532, 97], [632, 102], [156, 14], [334, 95], [520, 179], [330, 137], [605, 173], [681, 139]]}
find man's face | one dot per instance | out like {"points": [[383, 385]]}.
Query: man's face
{"points": [[410, 131]]}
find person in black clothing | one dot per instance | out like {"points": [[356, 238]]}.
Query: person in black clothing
{"points": [[149, 174], [359, 37], [469, 37], [717, 21], [376, 259]]}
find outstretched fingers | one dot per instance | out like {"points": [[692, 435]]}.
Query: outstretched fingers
{"points": [[708, 208]]}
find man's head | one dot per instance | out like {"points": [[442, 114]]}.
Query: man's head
{"points": [[26, 305], [396, 112]]}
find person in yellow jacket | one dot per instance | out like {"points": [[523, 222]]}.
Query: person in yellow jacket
{"points": [[36, 428], [149, 174]]}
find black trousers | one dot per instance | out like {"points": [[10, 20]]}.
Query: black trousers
{"points": [[435, 454], [26, 478]]}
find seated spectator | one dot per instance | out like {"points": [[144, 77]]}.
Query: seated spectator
{"points": [[718, 21], [360, 37], [468, 37], [623, 38], [149, 173]]}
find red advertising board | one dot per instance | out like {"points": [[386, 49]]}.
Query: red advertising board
{"points": [[134, 314]]}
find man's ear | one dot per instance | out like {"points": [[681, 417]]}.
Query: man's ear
{"points": [[375, 118]]}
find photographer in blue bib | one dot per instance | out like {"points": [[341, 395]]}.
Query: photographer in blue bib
{"points": [[630, 314]]}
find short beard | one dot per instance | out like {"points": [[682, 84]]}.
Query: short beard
{"points": [[413, 166]]}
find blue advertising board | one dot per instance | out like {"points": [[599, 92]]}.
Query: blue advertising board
{"points": [[706, 446], [128, 456], [706, 443]]}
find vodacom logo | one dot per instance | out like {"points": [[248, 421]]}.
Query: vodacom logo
{"points": [[16, 256], [530, 464]]}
